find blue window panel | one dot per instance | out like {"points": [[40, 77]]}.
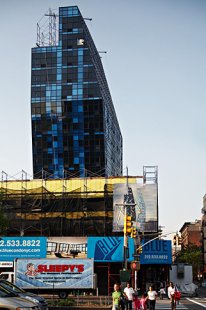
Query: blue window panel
{"points": [[48, 93], [54, 127], [74, 92], [80, 51], [49, 151], [81, 160], [71, 168], [75, 120], [56, 161], [59, 77], [59, 93], [75, 12], [75, 138], [81, 70], [55, 144], [76, 160], [76, 144], [80, 91], [59, 110], [59, 61], [81, 118], [80, 109], [81, 154], [69, 97], [80, 76]]}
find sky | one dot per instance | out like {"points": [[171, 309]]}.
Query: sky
{"points": [[156, 70]]}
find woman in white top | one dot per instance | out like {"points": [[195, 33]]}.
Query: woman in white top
{"points": [[151, 294], [170, 292]]}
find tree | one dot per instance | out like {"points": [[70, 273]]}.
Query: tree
{"points": [[191, 254]]}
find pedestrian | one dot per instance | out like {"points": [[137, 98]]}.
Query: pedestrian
{"points": [[143, 302], [116, 295], [162, 293], [171, 295], [136, 301], [129, 296], [151, 296], [122, 298]]}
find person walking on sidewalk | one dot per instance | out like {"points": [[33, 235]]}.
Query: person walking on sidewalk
{"points": [[151, 294], [171, 295], [129, 296], [116, 296]]}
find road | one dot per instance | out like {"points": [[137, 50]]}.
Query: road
{"points": [[185, 303]]}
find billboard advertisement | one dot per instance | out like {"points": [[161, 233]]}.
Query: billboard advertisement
{"points": [[157, 252], [109, 249], [67, 247], [22, 247], [140, 200], [54, 273]]}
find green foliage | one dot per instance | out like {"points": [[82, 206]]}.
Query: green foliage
{"points": [[192, 255], [61, 302]]}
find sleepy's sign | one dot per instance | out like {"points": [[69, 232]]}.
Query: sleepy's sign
{"points": [[157, 252]]}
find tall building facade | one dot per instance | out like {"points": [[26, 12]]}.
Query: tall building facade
{"points": [[74, 125]]}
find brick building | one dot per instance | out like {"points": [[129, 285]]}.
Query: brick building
{"points": [[191, 233]]}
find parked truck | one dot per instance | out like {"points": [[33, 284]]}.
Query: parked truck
{"points": [[57, 276], [182, 276]]}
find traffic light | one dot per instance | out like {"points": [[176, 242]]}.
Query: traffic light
{"points": [[140, 250], [175, 240], [127, 224], [133, 232], [179, 240]]}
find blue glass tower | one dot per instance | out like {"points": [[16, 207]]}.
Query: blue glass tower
{"points": [[74, 124]]}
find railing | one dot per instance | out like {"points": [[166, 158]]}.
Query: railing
{"points": [[93, 301]]}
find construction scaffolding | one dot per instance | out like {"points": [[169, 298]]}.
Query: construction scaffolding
{"points": [[62, 207]]}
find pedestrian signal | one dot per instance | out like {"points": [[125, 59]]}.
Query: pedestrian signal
{"points": [[133, 232], [135, 265], [127, 224]]}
